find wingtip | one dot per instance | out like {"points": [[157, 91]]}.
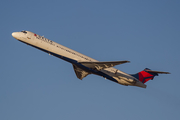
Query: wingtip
{"points": [[126, 61]]}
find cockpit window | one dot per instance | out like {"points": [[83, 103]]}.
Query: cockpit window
{"points": [[24, 31]]}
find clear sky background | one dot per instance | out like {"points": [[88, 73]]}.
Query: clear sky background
{"points": [[36, 86]]}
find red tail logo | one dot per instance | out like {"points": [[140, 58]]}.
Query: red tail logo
{"points": [[145, 75]]}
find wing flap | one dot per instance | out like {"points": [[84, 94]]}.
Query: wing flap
{"points": [[102, 65]]}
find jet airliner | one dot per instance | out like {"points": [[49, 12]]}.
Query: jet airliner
{"points": [[84, 65]]}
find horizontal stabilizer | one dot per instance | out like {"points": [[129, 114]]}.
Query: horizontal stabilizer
{"points": [[102, 65], [158, 72]]}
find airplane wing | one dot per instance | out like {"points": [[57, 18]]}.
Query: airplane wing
{"points": [[80, 73], [102, 65]]}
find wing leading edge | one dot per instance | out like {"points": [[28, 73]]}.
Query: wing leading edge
{"points": [[102, 65]]}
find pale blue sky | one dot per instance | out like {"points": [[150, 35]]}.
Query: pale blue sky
{"points": [[36, 86]]}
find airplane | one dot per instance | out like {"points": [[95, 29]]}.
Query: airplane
{"points": [[84, 65]]}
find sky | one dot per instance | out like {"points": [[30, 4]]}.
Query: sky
{"points": [[36, 86]]}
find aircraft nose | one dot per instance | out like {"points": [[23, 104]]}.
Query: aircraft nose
{"points": [[14, 34]]}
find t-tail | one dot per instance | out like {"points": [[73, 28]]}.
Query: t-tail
{"points": [[147, 75]]}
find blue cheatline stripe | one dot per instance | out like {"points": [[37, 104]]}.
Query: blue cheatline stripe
{"points": [[146, 78], [76, 63], [135, 75]]}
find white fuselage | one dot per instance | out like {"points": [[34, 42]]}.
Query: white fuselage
{"points": [[74, 57]]}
